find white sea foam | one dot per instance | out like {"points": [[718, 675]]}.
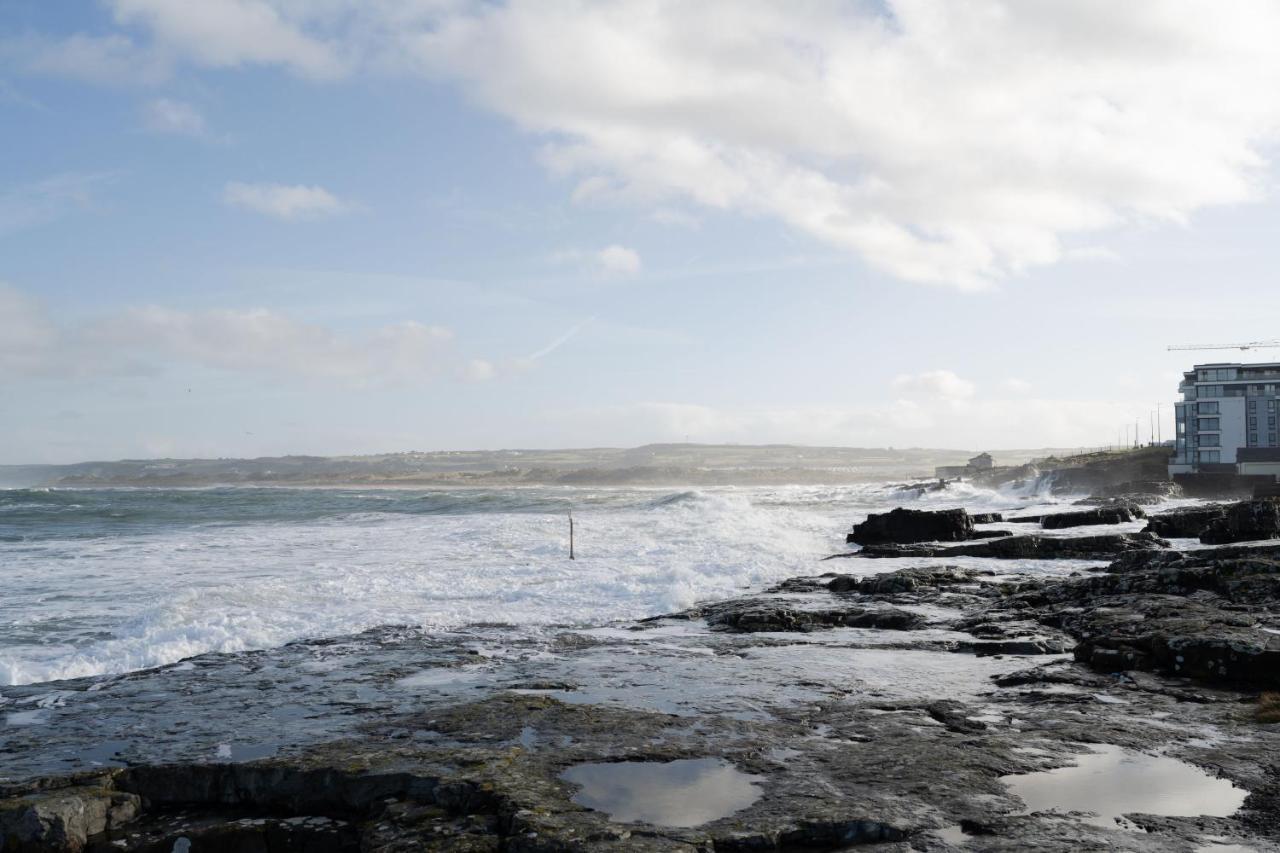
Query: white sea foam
{"points": [[119, 603], [117, 599]]}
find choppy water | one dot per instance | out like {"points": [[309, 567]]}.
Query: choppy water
{"points": [[110, 581]]}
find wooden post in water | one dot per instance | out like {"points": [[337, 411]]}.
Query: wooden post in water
{"points": [[571, 557]]}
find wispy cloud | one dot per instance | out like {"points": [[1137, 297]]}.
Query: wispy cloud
{"points": [[10, 93], [975, 423], [234, 33], [113, 60], [939, 384], [612, 261], [557, 343], [281, 201], [152, 339], [43, 201], [164, 115]]}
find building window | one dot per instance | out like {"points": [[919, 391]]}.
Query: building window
{"points": [[1208, 423], [1271, 405], [1253, 423], [1209, 455], [1207, 408], [1253, 405], [1271, 439], [1210, 440], [1253, 439]]}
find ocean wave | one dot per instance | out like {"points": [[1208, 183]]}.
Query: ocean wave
{"points": [[145, 597]]}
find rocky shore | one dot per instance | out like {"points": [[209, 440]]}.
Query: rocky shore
{"points": [[1057, 689]]}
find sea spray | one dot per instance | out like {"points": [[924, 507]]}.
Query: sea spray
{"points": [[115, 580]]}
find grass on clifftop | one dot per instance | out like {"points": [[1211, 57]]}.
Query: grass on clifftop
{"points": [[1268, 710]]}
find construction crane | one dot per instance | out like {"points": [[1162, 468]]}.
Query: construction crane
{"points": [[1245, 346]]}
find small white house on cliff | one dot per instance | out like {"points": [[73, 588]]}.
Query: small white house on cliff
{"points": [[981, 462]]}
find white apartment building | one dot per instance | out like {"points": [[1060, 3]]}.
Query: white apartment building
{"points": [[1226, 420]]}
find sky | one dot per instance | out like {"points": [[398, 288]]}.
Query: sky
{"points": [[258, 227]]}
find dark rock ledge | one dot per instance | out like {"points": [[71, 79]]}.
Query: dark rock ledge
{"points": [[1024, 548]]}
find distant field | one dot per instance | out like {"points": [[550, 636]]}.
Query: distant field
{"points": [[657, 464]]}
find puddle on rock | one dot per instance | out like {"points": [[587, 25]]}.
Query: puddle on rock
{"points": [[1112, 781], [953, 835], [237, 752], [684, 793], [38, 717]]}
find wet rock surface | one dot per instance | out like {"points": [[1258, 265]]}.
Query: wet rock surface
{"points": [[1184, 522], [1201, 614], [1025, 548], [894, 710], [1145, 492], [1243, 522], [1111, 513]]}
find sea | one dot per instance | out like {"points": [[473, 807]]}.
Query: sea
{"points": [[109, 581]]}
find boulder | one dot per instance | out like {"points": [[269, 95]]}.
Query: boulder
{"points": [[1185, 523], [1244, 522], [986, 517], [913, 525], [63, 819], [751, 617]]}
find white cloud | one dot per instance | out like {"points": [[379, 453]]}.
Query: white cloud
{"points": [[282, 201], [952, 142], [479, 370], [940, 384], [110, 59], [974, 424], [619, 260], [261, 341], [151, 339], [231, 33], [163, 115], [675, 217], [1016, 386], [27, 335], [612, 261]]}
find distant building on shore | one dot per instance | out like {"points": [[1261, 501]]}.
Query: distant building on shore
{"points": [[981, 462], [1226, 421]]}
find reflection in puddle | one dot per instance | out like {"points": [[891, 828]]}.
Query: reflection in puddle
{"points": [[952, 834], [105, 753], [245, 751], [683, 793], [445, 676], [1112, 782]]}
